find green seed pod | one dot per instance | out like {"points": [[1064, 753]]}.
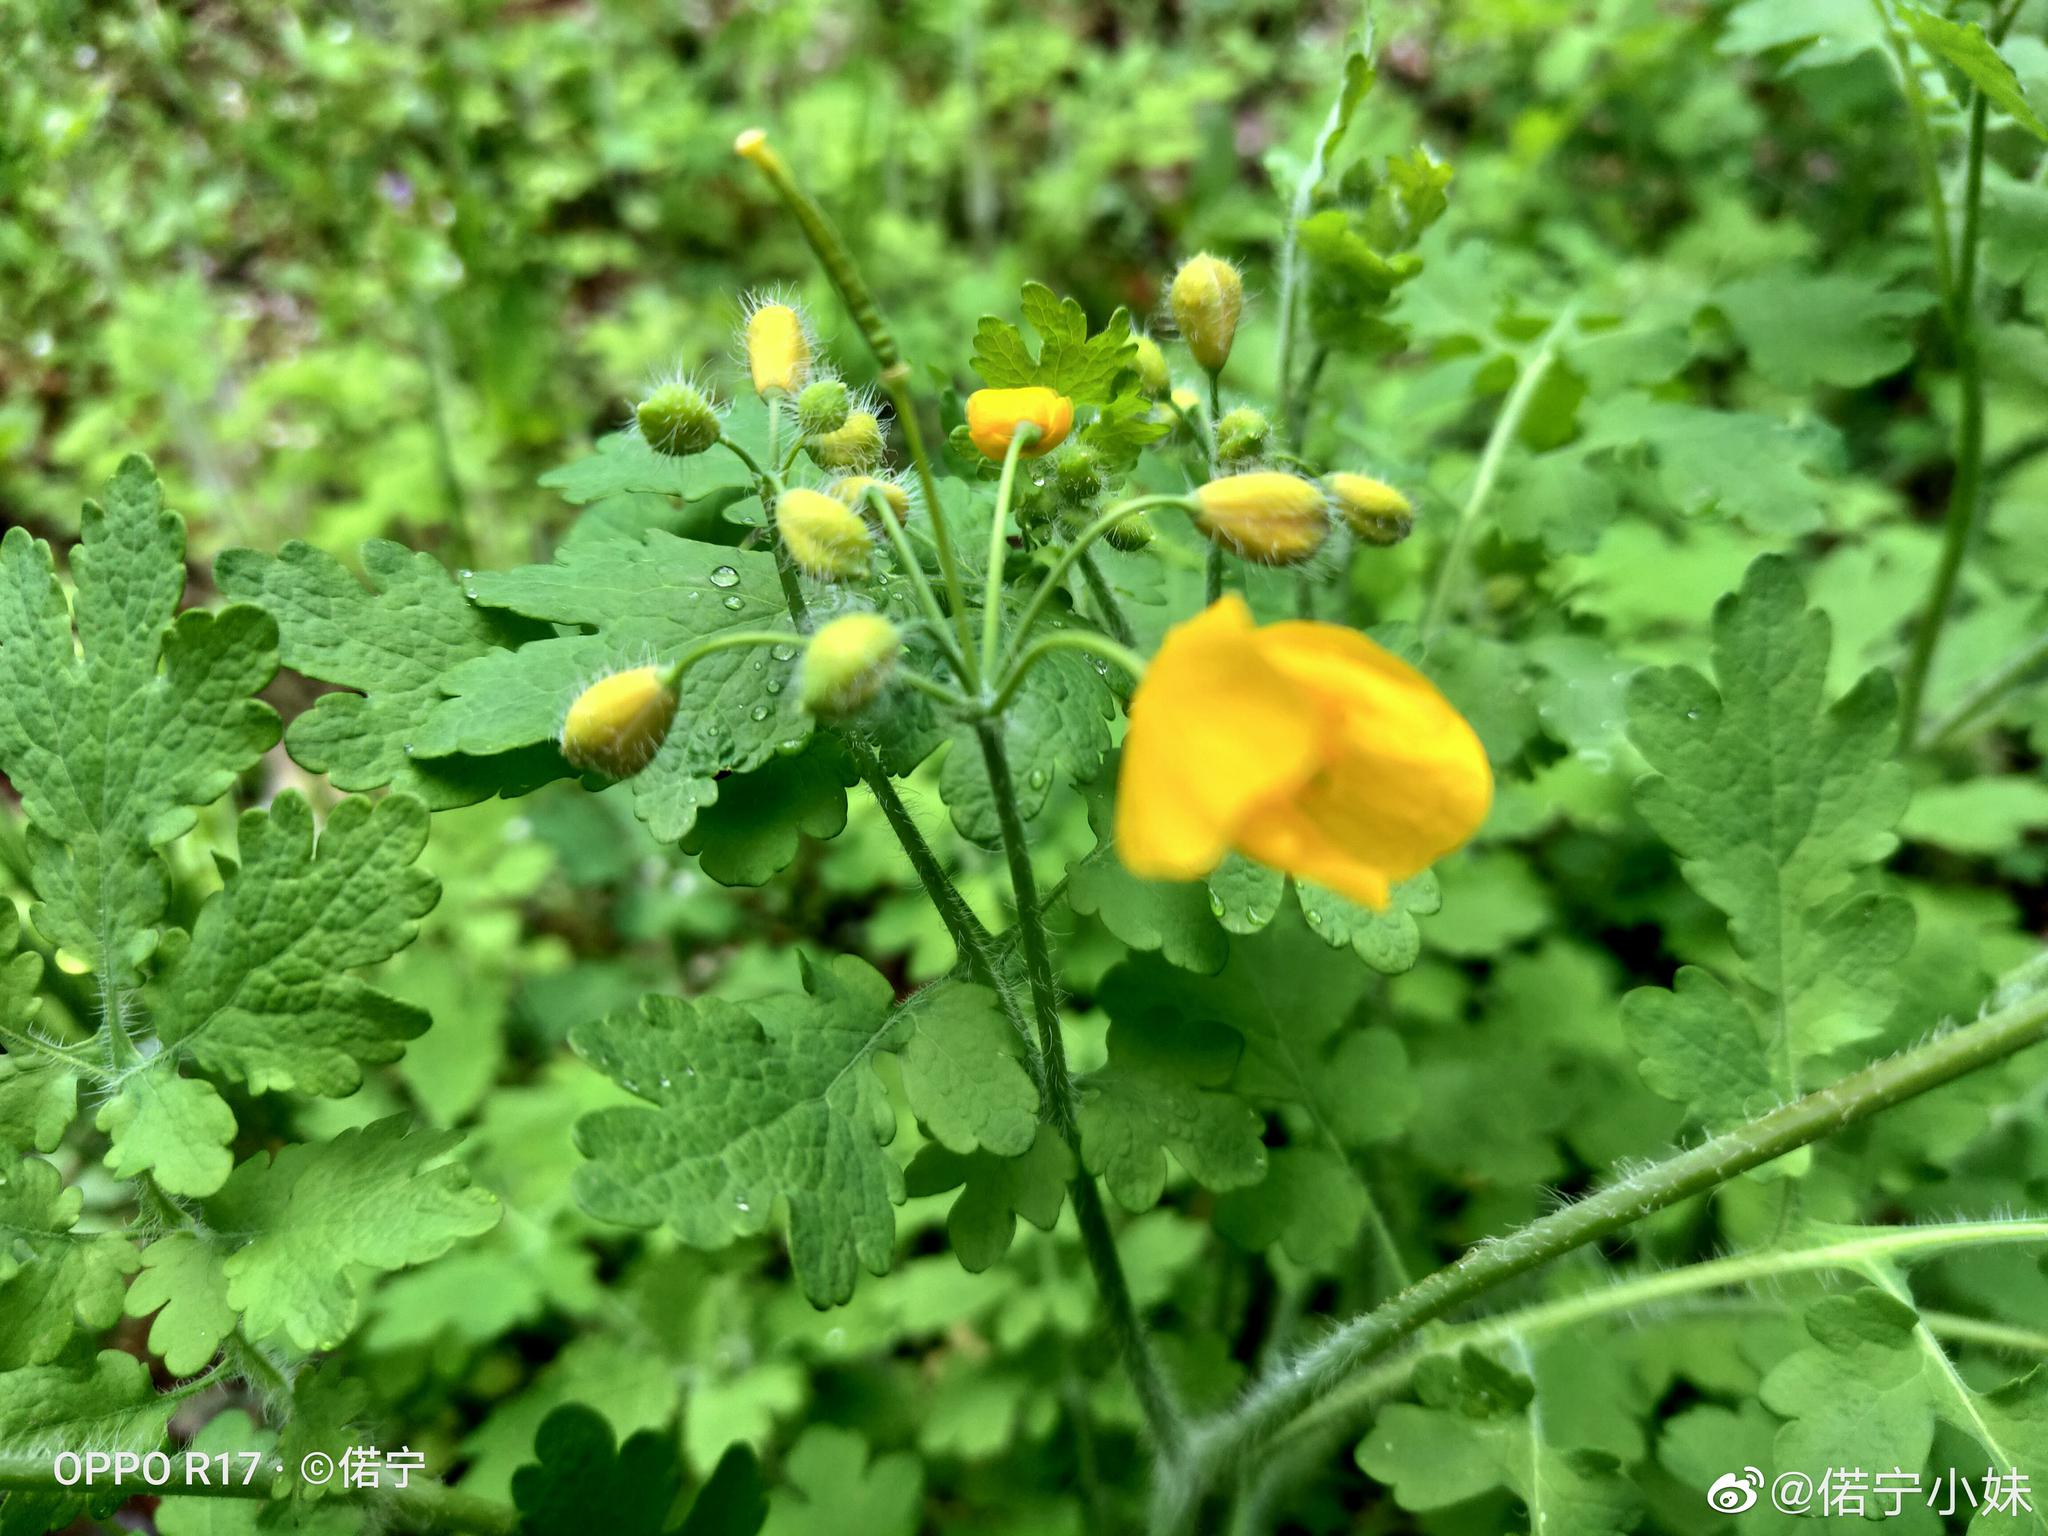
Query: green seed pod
{"points": [[855, 445], [1242, 435], [678, 419], [847, 664], [1375, 511], [1153, 379], [826, 538], [617, 724], [1206, 298], [823, 407], [1130, 533]]}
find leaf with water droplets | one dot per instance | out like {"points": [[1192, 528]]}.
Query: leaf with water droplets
{"points": [[748, 1106]]}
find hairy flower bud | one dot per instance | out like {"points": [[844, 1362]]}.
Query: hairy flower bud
{"points": [[856, 444], [853, 491], [1153, 379], [823, 407], [847, 664], [1377, 512], [826, 538], [1129, 533], [678, 419], [778, 350], [1242, 435], [1078, 473], [993, 416], [1268, 516], [617, 724], [1206, 298]]}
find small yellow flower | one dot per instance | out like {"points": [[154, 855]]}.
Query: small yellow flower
{"points": [[1206, 298], [617, 724], [852, 490], [778, 350], [825, 537], [1269, 516], [1304, 746], [993, 416]]}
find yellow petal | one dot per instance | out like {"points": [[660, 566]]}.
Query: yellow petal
{"points": [[1215, 729], [1404, 780]]}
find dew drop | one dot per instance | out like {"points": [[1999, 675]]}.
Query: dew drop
{"points": [[758, 712], [742, 1204], [775, 685], [725, 576], [783, 652], [733, 602], [1036, 778], [665, 1081], [464, 575], [1315, 919], [1215, 904]]}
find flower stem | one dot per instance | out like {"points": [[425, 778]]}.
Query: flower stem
{"points": [[1106, 604], [1987, 690], [1066, 640], [1279, 1399], [1505, 426], [913, 570], [998, 542], [1212, 575], [1107, 519], [1966, 490], [1155, 1397]]}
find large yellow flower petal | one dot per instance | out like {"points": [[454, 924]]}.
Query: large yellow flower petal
{"points": [[1404, 779], [1215, 730]]}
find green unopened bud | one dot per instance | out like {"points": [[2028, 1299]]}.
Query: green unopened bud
{"points": [[678, 419], [617, 725], [847, 664], [1206, 298], [825, 537], [1129, 533], [856, 444], [1078, 473], [822, 407], [1242, 435], [1376, 512], [1153, 379]]}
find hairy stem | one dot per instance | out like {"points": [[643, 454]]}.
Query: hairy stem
{"points": [[1106, 606], [1279, 1399], [1162, 1414]]}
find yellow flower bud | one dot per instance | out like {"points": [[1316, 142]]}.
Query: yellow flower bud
{"points": [[847, 664], [778, 350], [826, 538], [993, 416], [617, 725], [853, 491], [857, 444], [1206, 298], [1153, 379], [1268, 516], [1377, 512]]}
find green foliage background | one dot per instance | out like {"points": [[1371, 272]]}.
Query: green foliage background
{"points": [[356, 274]]}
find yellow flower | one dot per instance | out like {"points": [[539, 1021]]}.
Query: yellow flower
{"points": [[1304, 746], [993, 416], [1269, 515], [617, 724], [826, 538], [778, 350]]}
